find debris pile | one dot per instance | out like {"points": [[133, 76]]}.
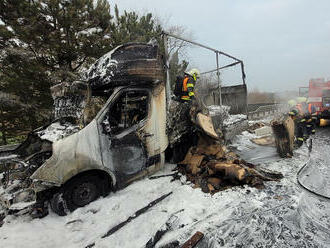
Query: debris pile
{"points": [[283, 129], [211, 166], [255, 126], [178, 121], [218, 114], [226, 125]]}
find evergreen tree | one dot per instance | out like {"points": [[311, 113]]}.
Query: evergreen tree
{"points": [[129, 27], [62, 35], [44, 42]]}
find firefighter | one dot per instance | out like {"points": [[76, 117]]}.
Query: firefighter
{"points": [[299, 130], [311, 124], [302, 118], [184, 93], [188, 85]]}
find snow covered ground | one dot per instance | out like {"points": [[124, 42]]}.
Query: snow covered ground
{"points": [[281, 215]]}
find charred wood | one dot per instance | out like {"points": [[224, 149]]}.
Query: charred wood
{"points": [[167, 175], [192, 242], [169, 225], [212, 167]]}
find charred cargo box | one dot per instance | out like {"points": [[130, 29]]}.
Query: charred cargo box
{"points": [[133, 63]]}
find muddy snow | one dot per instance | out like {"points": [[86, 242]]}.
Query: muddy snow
{"points": [[281, 215]]}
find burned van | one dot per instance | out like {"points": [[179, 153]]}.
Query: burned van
{"points": [[124, 141]]}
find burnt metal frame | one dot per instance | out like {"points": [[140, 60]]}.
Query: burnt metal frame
{"points": [[217, 53]]}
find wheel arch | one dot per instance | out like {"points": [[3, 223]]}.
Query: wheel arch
{"points": [[107, 177]]}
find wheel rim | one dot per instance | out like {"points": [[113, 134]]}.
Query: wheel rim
{"points": [[84, 194]]}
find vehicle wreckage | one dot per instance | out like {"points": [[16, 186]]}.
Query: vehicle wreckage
{"points": [[112, 129]]}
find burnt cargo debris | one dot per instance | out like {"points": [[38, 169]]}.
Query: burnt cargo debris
{"points": [[211, 166], [284, 129]]}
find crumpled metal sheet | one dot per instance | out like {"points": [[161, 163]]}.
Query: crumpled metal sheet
{"points": [[178, 121], [77, 153]]}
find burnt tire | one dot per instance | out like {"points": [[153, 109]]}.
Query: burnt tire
{"points": [[76, 193], [57, 204]]}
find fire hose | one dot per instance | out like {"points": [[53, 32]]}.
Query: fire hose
{"points": [[305, 166]]}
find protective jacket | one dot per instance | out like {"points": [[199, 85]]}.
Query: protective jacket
{"points": [[297, 114], [188, 88], [311, 126]]}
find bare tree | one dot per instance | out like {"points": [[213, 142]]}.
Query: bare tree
{"points": [[176, 45]]}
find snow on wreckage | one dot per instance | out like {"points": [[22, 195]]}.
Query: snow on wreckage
{"points": [[126, 131]]}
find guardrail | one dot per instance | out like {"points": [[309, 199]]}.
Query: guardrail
{"points": [[267, 110]]}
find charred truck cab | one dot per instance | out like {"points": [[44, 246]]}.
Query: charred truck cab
{"points": [[123, 141], [127, 138]]}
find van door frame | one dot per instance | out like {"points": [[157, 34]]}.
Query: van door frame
{"points": [[107, 140]]}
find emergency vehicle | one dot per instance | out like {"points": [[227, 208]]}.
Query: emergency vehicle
{"points": [[319, 96]]}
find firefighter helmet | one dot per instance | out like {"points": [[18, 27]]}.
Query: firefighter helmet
{"points": [[301, 99], [292, 103], [194, 73], [294, 112]]}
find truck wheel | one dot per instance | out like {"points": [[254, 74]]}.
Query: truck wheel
{"points": [[76, 193]]}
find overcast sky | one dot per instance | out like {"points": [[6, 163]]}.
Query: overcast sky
{"points": [[283, 43]]}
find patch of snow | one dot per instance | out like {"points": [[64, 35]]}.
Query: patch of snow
{"points": [[103, 67], [232, 119], [243, 140], [12, 156], [49, 18], [216, 110], [95, 3], [20, 20], [103, 214], [57, 131], [264, 131], [10, 29], [43, 5], [18, 42], [21, 205], [90, 31]]}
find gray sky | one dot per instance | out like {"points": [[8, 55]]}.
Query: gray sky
{"points": [[283, 43]]}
